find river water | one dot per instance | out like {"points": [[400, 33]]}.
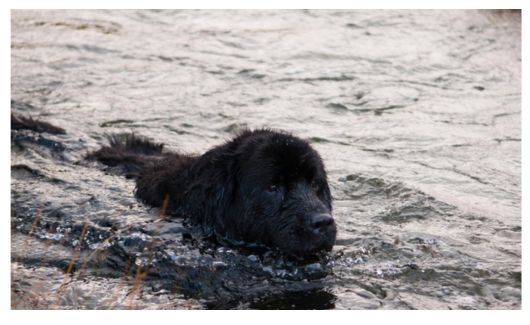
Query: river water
{"points": [[415, 113]]}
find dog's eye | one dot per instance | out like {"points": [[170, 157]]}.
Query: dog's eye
{"points": [[273, 188]]}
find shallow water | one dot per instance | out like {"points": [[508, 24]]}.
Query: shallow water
{"points": [[415, 113]]}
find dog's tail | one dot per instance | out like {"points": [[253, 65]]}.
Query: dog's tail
{"points": [[128, 152], [19, 122]]}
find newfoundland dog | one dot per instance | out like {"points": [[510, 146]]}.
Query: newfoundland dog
{"points": [[263, 187]]}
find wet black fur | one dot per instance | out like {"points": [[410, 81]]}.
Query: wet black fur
{"points": [[28, 123], [261, 187]]}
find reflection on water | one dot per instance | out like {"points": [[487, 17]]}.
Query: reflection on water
{"points": [[416, 114]]}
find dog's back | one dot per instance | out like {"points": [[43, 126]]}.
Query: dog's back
{"points": [[146, 161]]}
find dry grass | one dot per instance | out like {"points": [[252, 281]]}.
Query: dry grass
{"points": [[38, 214], [141, 274], [35, 300]]}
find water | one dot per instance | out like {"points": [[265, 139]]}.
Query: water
{"points": [[415, 113]]}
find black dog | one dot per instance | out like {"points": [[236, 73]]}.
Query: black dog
{"points": [[262, 187]]}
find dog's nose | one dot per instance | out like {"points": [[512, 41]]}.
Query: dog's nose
{"points": [[321, 221]]}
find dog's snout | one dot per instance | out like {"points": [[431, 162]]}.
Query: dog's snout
{"points": [[321, 221]]}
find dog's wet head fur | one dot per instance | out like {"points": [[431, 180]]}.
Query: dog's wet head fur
{"points": [[282, 198]]}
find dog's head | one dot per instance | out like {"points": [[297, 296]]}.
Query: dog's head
{"points": [[281, 196]]}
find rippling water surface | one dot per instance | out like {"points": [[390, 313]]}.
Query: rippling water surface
{"points": [[415, 113]]}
